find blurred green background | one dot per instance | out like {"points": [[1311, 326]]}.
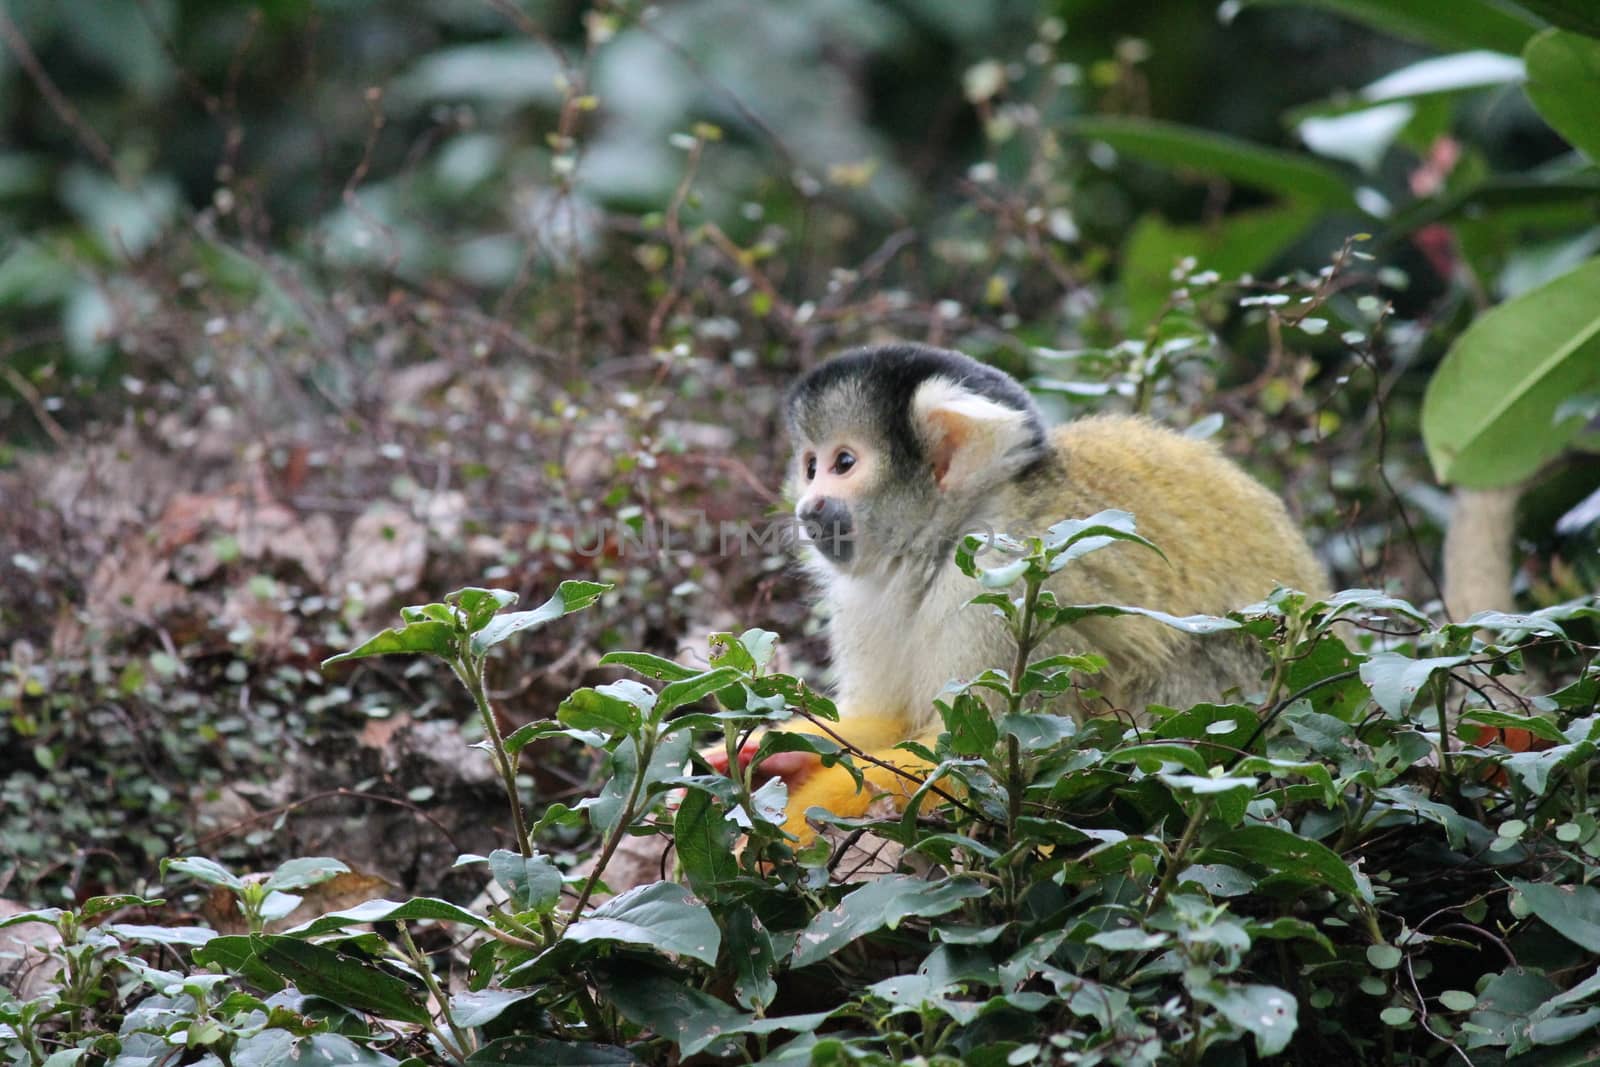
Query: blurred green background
{"points": [[435, 144]]}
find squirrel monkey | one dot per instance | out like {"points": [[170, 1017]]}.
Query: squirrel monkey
{"points": [[900, 450]]}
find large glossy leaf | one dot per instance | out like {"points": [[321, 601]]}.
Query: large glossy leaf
{"points": [[1573, 911], [1265, 1011], [1488, 415], [662, 916], [1171, 145], [347, 981], [1287, 855], [705, 841], [875, 905], [1564, 85], [1445, 24], [1504, 1005], [1395, 680], [533, 881]]}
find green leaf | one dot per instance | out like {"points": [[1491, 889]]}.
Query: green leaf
{"points": [[1037, 731], [883, 903], [1533, 769], [1573, 911], [705, 840], [305, 871], [1487, 414], [1218, 879], [1353, 603], [693, 1019], [970, 724], [622, 766], [1205, 784], [750, 651], [662, 916], [617, 708], [233, 953], [1458, 829], [1207, 722], [1289, 173], [1384, 957], [1539, 727], [100, 905], [1189, 624], [374, 911], [1153, 757], [161, 935], [519, 1051], [1443, 24], [1263, 1011], [1128, 940], [534, 882], [1580, 15], [1288, 855], [1504, 1006], [1395, 680], [347, 981], [648, 665], [435, 638], [1072, 539], [1241, 242], [751, 953], [676, 694], [569, 597], [478, 606], [1564, 85], [470, 1009], [208, 871], [275, 1047]]}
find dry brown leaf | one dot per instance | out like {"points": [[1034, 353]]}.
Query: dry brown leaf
{"points": [[384, 553], [131, 582], [25, 968]]}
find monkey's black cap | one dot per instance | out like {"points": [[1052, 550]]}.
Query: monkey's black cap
{"points": [[872, 388]]}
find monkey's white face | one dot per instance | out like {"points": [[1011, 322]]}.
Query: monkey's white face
{"points": [[833, 479]]}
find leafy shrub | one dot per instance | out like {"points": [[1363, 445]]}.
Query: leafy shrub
{"points": [[1356, 869]]}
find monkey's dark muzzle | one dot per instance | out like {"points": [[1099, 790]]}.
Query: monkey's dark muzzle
{"points": [[826, 525]]}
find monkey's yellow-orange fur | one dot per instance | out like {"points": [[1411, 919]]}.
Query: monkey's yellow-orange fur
{"points": [[1227, 540]]}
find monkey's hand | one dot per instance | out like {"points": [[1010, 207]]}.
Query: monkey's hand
{"points": [[792, 767]]}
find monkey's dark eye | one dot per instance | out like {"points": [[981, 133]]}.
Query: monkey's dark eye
{"points": [[843, 461], [811, 467]]}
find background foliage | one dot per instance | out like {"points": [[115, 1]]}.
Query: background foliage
{"points": [[312, 310]]}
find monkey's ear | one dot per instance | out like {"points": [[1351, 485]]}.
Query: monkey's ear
{"points": [[971, 440]]}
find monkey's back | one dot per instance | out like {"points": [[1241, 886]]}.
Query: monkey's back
{"points": [[1228, 542]]}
